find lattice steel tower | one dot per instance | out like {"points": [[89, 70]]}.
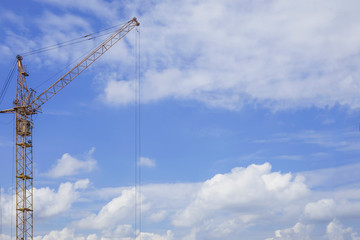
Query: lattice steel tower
{"points": [[24, 155]]}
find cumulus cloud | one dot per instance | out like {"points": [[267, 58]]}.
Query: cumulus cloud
{"points": [[119, 92], [49, 202], [221, 206], [7, 208], [68, 165], [336, 231], [242, 192], [322, 210], [122, 232], [341, 206], [225, 205], [158, 216], [152, 236], [113, 213], [65, 234], [298, 232]]}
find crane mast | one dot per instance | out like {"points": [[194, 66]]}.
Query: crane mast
{"points": [[24, 156], [26, 104]]}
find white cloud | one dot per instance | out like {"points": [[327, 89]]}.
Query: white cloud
{"points": [[213, 209], [191, 235], [122, 232], [64, 234], [322, 210], [222, 207], [92, 237], [68, 165], [152, 236], [48, 202], [158, 216], [116, 92], [147, 162], [342, 207], [242, 192], [226, 53], [221, 53], [7, 208], [4, 237], [298, 232], [336, 231], [113, 213]]}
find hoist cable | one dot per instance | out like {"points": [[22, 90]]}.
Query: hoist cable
{"points": [[137, 158], [139, 123], [7, 82], [51, 47], [138, 199], [81, 39], [55, 46]]}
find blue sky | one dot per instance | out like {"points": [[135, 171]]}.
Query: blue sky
{"points": [[249, 120]]}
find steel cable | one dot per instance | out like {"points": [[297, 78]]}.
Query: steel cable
{"points": [[7, 82], [81, 39], [138, 199]]}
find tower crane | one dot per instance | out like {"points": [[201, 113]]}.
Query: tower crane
{"points": [[27, 104]]}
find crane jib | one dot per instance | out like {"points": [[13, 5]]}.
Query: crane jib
{"points": [[83, 64]]}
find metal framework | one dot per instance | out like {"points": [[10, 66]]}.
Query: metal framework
{"points": [[24, 157], [26, 104]]}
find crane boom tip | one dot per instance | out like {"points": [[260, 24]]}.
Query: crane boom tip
{"points": [[136, 21]]}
